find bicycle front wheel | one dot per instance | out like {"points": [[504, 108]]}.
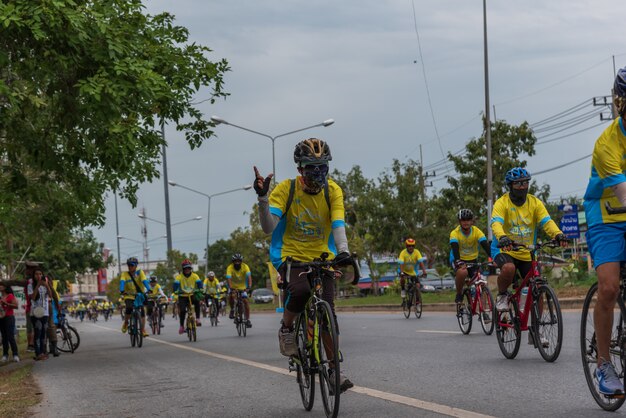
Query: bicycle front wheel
{"points": [[547, 323], [407, 303], [64, 341], [464, 313], [486, 310], [508, 330], [328, 352], [305, 376], [133, 330], [418, 306], [74, 337], [138, 329], [589, 349]]}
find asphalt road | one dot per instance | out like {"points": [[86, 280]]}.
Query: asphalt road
{"points": [[400, 367]]}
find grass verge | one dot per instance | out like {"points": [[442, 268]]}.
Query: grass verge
{"points": [[18, 392]]}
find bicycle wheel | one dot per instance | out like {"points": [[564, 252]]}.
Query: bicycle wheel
{"points": [[194, 331], [547, 323], [159, 325], [153, 323], [418, 306], [508, 330], [305, 376], [328, 352], [133, 331], [589, 350], [213, 314], [74, 337], [64, 341], [138, 329], [486, 313], [407, 303], [464, 313], [188, 328]]}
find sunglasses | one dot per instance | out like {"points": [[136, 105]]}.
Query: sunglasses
{"points": [[521, 183]]}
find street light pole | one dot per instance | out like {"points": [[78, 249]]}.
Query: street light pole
{"points": [[218, 120], [168, 225], [487, 128], [117, 232], [208, 217]]}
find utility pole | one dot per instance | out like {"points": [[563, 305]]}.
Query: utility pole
{"points": [[422, 183], [605, 101], [487, 127], [168, 224], [144, 234]]}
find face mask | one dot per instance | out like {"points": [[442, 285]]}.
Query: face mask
{"points": [[237, 266], [314, 177], [518, 196]]}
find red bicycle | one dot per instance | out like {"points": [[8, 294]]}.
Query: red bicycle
{"points": [[541, 306], [477, 300]]}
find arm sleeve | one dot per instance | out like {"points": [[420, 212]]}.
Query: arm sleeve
{"points": [[146, 284], [455, 250], [199, 284], [176, 285], [607, 161], [341, 240], [543, 220], [497, 219], [268, 220], [485, 244], [122, 285]]}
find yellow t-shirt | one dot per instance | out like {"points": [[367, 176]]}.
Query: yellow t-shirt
{"points": [[608, 164], [210, 286], [238, 278], [187, 285], [468, 244], [127, 284], [407, 262], [306, 231], [520, 223], [155, 291]]}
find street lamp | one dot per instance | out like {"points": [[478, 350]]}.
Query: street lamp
{"points": [[218, 120], [208, 217]]}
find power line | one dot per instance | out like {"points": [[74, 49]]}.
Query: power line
{"points": [[568, 135], [591, 114], [561, 114], [430, 104], [561, 166]]}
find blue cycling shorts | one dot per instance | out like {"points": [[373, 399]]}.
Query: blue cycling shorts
{"points": [[607, 243]]}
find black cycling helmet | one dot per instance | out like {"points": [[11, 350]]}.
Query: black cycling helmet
{"points": [[465, 215], [619, 92], [153, 279], [311, 151], [132, 261], [237, 257]]}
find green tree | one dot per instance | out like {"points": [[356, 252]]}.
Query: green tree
{"points": [[84, 86]]}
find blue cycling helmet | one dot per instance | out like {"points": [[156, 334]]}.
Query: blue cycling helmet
{"points": [[515, 174], [619, 91]]}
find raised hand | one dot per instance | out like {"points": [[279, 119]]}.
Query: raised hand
{"points": [[261, 185]]}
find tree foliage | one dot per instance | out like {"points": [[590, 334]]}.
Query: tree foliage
{"points": [[84, 86]]}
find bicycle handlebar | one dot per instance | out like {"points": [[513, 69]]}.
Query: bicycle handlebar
{"points": [[536, 247], [323, 263], [614, 211]]}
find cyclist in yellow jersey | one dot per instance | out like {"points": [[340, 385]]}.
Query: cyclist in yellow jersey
{"points": [[303, 227], [133, 284], [211, 289], [605, 235], [464, 242], [516, 217], [154, 295], [239, 278], [408, 259], [185, 285]]}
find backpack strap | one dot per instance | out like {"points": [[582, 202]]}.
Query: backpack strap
{"points": [[292, 189]]}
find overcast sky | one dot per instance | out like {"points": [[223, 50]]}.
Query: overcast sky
{"points": [[297, 63]]}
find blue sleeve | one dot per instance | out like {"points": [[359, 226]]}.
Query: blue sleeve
{"points": [[146, 283], [199, 284], [122, 285], [176, 286]]}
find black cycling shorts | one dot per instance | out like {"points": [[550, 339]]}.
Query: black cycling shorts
{"points": [[129, 307], [522, 267]]}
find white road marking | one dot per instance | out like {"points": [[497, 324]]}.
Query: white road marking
{"points": [[387, 396]]}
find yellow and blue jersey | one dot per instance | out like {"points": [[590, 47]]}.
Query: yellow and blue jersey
{"points": [[408, 261], [186, 285], [608, 167], [127, 284], [468, 244], [238, 278], [211, 286], [305, 231], [520, 223]]}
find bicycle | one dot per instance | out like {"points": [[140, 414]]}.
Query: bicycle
{"points": [[477, 300], [617, 343], [541, 306], [155, 317], [190, 321], [412, 299], [213, 303], [68, 339], [317, 338], [134, 328], [240, 323]]}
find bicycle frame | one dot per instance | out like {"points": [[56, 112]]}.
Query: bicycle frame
{"points": [[477, 280]]}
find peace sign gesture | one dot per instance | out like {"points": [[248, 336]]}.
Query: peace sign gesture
{"points": [[261, 185]]}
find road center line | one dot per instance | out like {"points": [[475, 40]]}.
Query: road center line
{"points": [[373, 393]]}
